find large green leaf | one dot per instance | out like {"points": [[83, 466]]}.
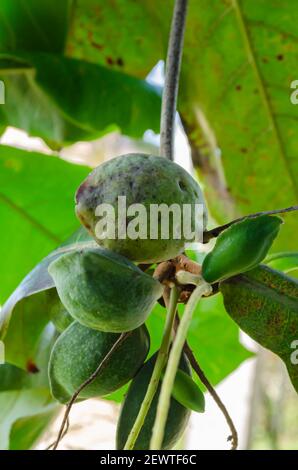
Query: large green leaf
{"points": [[286, 262], [123, 34], [34, 25], [238, 63], [64, 100], [36, 210], [26, 431], [20, 404], [26, 331], [240, 58], [36, 374], [26, 407], [264, 303]]}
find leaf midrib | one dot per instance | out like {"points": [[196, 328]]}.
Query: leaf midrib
{"points": [[51, 236]]}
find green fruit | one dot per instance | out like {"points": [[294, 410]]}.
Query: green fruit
{"points": [[103, 290], [186, 392], [146, 180], [240, 248], [177, 418], [79, 351]]}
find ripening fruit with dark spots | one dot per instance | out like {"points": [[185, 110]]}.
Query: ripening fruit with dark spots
{"points": [[147, 180]]}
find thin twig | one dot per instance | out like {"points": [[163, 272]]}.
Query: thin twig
{"points": [[64, 434], [103, 364], [214, 232], [174, 357], [200, 373], [173, 64], [157, 371]]}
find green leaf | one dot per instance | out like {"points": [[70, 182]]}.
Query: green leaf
{"points": [[26, 328], [26, 406], [285, 261], [26, 431], [241, 247], [234, 97], [112, 34], [264, 303], [16, 405], [13, 378], [64, 100], [238, 63], [186, 392], [36, 210], [33, 25]]}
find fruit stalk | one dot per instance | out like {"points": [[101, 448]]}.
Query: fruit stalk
{"points": [[200, 373], [168, 382], [158, 368], [173, 64]]}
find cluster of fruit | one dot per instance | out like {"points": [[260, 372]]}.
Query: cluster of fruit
{"points": [[104, 293]]}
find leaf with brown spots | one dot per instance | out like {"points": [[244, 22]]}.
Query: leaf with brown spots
{"points": [[264, 303], [239, 59], [32, 367]]}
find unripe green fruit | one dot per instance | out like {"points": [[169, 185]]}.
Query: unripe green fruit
{"points": [[177, 418], [186, 392], [78, 352], [146, 180], [241, 247], [103, 290]]}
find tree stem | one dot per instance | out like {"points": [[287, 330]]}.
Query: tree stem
{"points": [[167, 385], [173, 65], [156, 374]]}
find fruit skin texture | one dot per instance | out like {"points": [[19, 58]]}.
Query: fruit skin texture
{"points": [[177, 418], [240, 248], [79, 350], [103, 290], [143, 179]]}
